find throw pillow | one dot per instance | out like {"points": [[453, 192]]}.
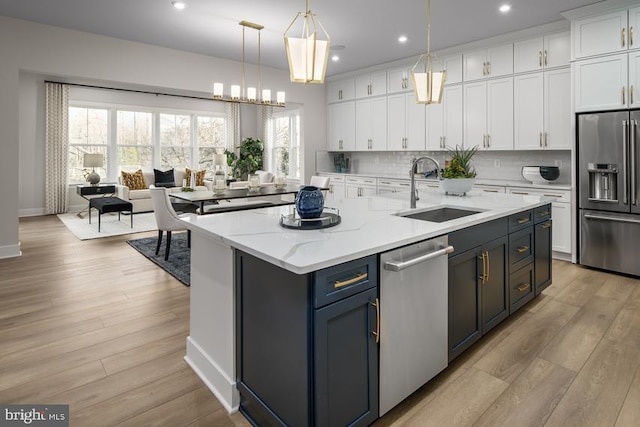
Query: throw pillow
{"points": [[134, 180], [199, 177], [164, 178]]}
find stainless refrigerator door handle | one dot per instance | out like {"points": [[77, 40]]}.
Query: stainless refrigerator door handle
{"points": [[625, 148], [399, 266], [614, 219], [632, 161]]}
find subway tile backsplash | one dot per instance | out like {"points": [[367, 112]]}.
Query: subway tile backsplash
{"points": [[505, 165]]}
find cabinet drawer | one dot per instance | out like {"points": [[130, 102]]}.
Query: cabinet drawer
{"points": [[520, 288], [520, 249], [358, 180], [343, 280], [542, 214], [470, 237], [520, 220]]}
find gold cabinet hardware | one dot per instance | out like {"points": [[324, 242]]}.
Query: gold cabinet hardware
{"points": [[522, 220], [376, 333], [522, 193], [545, 57], [631, 95], [545, 213], [524, 287], [540, 58], [523, 249], [489, 191], [359, 277], [623, 97], [630, 36], [540, 139], [546, 225], [484, 277], [488, 265], [622, 37], [545, 139], [556, 196]]}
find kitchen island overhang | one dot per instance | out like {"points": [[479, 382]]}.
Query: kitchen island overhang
{"points": [[369, 226]]}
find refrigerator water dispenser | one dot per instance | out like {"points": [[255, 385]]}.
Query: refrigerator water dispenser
{"points": [[603, 180]]}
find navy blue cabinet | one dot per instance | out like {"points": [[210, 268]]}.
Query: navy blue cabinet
{"points": [[306, 344]]}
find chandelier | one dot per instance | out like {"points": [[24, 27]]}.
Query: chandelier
{"points": [[428, 85], [307, 52], [252, 94]]}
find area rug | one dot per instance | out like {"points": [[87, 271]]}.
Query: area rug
{"points": [[110, 226], [179, 263]]}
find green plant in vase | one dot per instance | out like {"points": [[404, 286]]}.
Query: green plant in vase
{"points": [[247, 159], [459, 175]]}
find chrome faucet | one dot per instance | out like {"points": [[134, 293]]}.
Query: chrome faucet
{"points": [[414, 195]]}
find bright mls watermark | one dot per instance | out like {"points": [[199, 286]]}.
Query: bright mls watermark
{"points": [[34, 415]]}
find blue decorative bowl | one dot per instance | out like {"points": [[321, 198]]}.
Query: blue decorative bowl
{"points": [[309, 202]]}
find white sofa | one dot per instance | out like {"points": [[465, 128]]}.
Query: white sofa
{"points": [[141, 199]]}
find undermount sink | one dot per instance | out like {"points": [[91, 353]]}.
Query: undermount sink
{"points": [[438, 214]]}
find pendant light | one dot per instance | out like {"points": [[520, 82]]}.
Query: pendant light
{"points": [[308, 50], [242, 94], [428, 85]]}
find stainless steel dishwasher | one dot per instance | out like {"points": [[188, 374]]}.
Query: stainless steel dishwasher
{"points": [[413, 318]]}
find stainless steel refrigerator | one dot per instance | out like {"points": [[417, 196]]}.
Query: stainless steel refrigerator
{"points": [[608, 183]]}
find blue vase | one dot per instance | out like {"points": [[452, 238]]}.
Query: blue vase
{"points": [[309, 202]]}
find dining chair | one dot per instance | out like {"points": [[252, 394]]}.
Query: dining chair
{"points": [[166, 218], [321, 182]]}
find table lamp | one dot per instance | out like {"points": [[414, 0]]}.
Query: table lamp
{"points": [[93, 161]]}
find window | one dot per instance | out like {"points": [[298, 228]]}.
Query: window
{"points": [[211, 133], [175, 141], [134, 139], [88, 133], [285, 143]]}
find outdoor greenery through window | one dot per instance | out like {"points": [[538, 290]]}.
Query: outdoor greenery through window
{"points": [[88, 133], [133, 138], [285, 143]]}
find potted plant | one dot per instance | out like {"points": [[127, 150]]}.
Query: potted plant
{"points": [[458, 175], [247, 160]]}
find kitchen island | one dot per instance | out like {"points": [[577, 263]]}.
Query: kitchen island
{"points": [[223, 244]]}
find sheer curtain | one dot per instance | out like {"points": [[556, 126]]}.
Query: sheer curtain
{"points": [[267, 138], [57, 152]]}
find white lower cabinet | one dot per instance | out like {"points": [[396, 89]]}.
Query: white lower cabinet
{"points": [[360, 187], [336, 187], [386, 186], [560, 214]]}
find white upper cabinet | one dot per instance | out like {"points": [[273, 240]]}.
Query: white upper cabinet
{"points": [[484, 63], [540, 53], [399, 80], [342, 129], [342, 90], [371, 84], [634, 79], [452, 116], [452, 65], [542, 111], [435, 126], [601, 34], [601, 83], [406, 123], [488, 114], [371, 124]]}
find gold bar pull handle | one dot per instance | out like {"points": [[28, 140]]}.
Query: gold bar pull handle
{"points": [[488, 265], [540, 58], [631, 36], [631, 95], [523, 249], [524, 287], [623, 97], [546, 54], [522, 220], [483, 276], [623, 37], [376, 333], [340, 284], [546, 225]]}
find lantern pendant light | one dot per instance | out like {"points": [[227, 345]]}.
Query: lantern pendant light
{"points": [[308, 50], [428, 85]]}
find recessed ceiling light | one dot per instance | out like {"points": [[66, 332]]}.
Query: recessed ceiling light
{"points": [[179, 4], [505, 8], [402, 39], [335, 58]]}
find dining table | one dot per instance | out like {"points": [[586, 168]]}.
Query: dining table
{"points": [[202, 198]]}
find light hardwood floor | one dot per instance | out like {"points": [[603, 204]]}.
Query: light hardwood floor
{"points": [[95, 325]]}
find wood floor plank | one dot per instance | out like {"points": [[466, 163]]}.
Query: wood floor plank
{"points": [[144, 353], [598, 392], [519, 349], [630, 412], [579, 291], [461, 403], [529, 401], [180, 411], [626, 326], [575, 342]]}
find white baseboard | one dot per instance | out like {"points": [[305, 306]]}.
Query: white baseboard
{"points": [[562, 256], [31, 212], [10, 251], [214, 378]]}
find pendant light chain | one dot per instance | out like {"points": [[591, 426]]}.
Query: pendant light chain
{"points": [[244, 93]]}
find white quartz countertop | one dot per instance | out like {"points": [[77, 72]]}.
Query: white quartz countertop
{"points": [[481, 181], [368, 226]]}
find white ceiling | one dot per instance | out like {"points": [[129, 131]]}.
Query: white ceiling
{"points": [[368, 28]]}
